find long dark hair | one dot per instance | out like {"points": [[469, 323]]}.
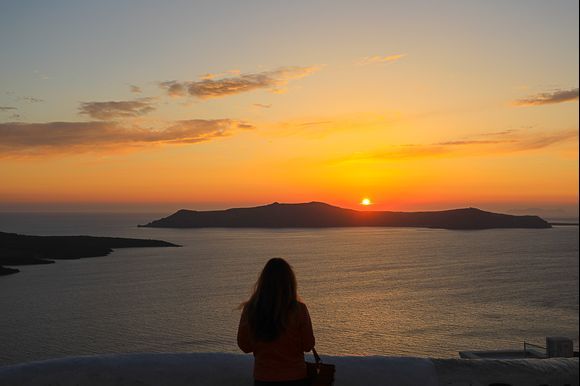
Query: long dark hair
{"points": [[273, 300]]}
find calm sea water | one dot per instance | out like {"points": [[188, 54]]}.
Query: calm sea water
{"points": [[386, 291]]}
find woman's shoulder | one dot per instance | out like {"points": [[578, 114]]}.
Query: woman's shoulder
{"points": [[302, 308], [301, 305]]}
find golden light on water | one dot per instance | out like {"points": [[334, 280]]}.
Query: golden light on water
{"points": [[366, 201]]}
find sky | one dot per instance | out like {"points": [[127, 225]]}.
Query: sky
{"points": [[415, 105]]}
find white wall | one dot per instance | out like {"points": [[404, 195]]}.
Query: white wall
{"points": [[217, 369]]}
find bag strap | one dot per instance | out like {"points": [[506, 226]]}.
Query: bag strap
{"points": [[316, 356]]}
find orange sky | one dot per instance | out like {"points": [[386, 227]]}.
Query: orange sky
{"points": [[444, 110]]}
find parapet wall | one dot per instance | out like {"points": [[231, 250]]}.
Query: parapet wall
{"points": [[220, 369]]}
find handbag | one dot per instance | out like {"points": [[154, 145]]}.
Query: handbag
{"points": [[320, 374]]}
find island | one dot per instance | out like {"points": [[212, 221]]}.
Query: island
{"points": [[20, 250], [322, 215]]}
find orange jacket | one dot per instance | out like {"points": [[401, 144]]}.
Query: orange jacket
{"points": [[281, 359]]}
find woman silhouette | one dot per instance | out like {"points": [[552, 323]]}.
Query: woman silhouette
{"points": [[276, 327]]}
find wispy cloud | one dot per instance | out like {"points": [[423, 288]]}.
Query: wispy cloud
{"points": [[209, 87], [508, 141], [33, 139], [546, 98], [211, 75], [135, 89], [473, 142], [30, 99], [543, 140], [41, 75], [7, 108], [117, 109], [262, 105], [320, 126], [379, 59]]}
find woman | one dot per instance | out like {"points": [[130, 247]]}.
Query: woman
{"points": [[276, 327]]}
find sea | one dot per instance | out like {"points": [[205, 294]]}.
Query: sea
{"points": [[370, 291]]}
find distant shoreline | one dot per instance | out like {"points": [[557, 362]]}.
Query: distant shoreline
{"points": [[19, 250]]}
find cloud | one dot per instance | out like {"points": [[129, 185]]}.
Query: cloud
{"points": [[199, 130], [31, 99], [320, 126], [263, 105], [41, 75], [509, 141], [208, 87], [379, 59], [135, 89], [541, 141], [32, 139], [117, 109], [472, 142], [402, 152], [497, 133], [12, 110], [546, 98], [210, 75]]}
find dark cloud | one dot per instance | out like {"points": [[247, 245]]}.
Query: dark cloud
{"points": [[95, 136], [117, 109], [208, 87], [547, 98], [7, 108]]}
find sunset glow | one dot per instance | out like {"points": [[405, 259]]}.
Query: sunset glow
{"points": [[410, 110], [188, 186]]}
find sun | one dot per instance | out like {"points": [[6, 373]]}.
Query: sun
{"points": [[366, 202]]}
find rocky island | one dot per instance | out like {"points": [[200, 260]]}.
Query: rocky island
{"points": [[19, 250], [321, 215]]}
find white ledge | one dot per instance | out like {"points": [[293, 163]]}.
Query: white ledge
{"points": [[221, 369]]}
